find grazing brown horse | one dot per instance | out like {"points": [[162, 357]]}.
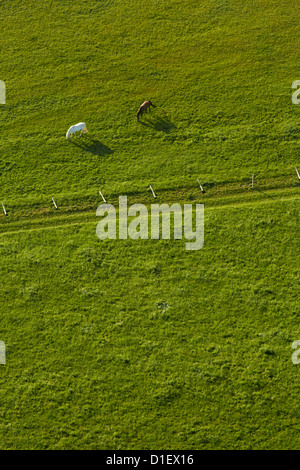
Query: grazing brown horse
{"points": [[143, 108]]}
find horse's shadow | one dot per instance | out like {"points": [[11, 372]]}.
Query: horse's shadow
{"points": [[91, 145], [161, 124]]}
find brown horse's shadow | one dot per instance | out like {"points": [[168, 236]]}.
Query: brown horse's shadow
{"points": [[91, 145], [160, 124]]}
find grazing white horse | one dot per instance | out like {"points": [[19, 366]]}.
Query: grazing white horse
{"points": [[77, 127]]}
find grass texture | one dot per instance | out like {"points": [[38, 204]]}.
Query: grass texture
{"points": [[140, 344]]}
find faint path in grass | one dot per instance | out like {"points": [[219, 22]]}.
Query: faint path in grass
{"points": [[84, 217]]}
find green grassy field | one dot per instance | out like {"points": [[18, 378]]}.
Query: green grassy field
{"points": [[140, 344]]}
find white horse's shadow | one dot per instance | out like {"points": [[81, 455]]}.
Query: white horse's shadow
{"points": [[92, 146]]}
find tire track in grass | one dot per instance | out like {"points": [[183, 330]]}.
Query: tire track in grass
{"points": [[71, 220]]}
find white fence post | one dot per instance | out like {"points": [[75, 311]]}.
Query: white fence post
{"points": [[152, 191], [102, 196], [54, 203], [4, 210], [200, 186]]}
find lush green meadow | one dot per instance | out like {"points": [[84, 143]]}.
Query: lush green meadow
{"points": [[141, 344]]}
